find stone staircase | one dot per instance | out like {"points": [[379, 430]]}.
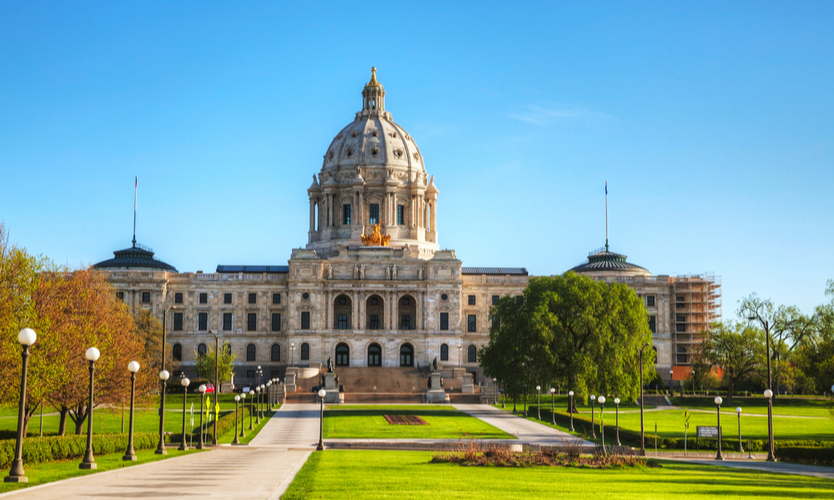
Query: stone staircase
{"points": [[655, 401]]}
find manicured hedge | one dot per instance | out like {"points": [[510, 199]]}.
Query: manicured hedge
{"points": [[225, 424], [632, 437], [804, 455], [45, 449]]}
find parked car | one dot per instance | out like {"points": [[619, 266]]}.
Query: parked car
{"points": [[209, 389]]}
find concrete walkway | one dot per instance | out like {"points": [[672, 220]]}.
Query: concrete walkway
{"points": [[263, 470], [227, 472], [526, 431], [292, 426], [775, 467]]}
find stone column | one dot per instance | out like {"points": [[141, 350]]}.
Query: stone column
{"points": [[312, 214]]}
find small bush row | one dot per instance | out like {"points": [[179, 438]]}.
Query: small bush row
{"points": [[806, 455], [632, 437], [48, 448], [225, 424]]}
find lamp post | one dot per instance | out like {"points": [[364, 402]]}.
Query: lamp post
{"points": [[89, 462], [163, 377], [184, 383], [202, 391], [593, 410], [237, 400], [292, 354], [258, 405], [495, 390], [718, 401], [269, 396], [617, 419], [321, 395], [570, 407], [766, 325], [251, 407], [771, 457], [539, 402], [262, 400], [642, 427], [738, 411], [242, 410], [26, 337], [602, 422], [130, 454], [552, 406], [216, 385]]}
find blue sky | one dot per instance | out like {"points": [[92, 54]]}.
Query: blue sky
{"points": [[712, 122]]}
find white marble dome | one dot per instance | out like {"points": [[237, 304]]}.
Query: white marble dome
{"points": [[373, 139]]}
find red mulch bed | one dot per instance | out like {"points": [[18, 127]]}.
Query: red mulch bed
{"points": [[405, 420]]}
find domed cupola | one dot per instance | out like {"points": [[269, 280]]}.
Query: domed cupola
{"points": [[603, 262], [372, 173]]}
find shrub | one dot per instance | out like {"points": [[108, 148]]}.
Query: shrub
{"points": [[806, 455], [48, 448]]}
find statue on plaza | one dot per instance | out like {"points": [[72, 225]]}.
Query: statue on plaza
{"points": [[434, 363], [329, 365]]}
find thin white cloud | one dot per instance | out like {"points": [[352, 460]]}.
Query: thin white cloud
{"points": [[549, 114]]}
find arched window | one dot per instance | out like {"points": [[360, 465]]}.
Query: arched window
{"points": [[227, 347], [375, 312], [342, 355], [406, 355], [176, 352], [305, 351], [444, 352], [681, 354], [276, 352], [201, 350], [407, 311], [250, 352], [341, 312], [472, 354], [374, 355]]}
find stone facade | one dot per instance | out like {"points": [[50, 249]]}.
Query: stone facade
{"points": [[403, 304]]}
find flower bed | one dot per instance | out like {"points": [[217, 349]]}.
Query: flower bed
{"points": [[405, 420]]}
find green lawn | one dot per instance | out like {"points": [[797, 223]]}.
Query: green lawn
{"points": [[781, 406], [55, 471], [403, 475], [416, 407], [369, 423], [670, 423]]}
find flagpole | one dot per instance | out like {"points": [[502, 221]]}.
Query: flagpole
{"points": [[606, 216], [135, 192]]}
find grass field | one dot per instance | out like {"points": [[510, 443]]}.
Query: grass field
{"points": [[388, 407], [409, 475], [55, 471], [369, 423], [670, 423]]}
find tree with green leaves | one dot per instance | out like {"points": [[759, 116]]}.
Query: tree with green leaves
{"points": [[815, 355], [573, 330], [734, 347], [206, 365]]}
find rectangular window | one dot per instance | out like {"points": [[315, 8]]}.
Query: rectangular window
{"points": [[681, 319], [680, 328], [650, 300], [406, 322], [471, 324], [342, 322], [679, 298], [177, 322], [653, 324], [495, 299], [251, 322], [227, 322], [495, 321], [250, 374], [227, 298], [202, 321], [374, 325], [681, 358], [305, 320], [253, 298], [276, 298], [471, 300], [444, 321], [146, 297], [120, 296], [276, 322], [373, 214], [346, 215], [177, 298], [203, 298], [400, 215]]}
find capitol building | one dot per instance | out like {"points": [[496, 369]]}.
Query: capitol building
{"points": [[372, 286]]}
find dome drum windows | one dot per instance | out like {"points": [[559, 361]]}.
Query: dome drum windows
{"points": [[374, 152]]}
